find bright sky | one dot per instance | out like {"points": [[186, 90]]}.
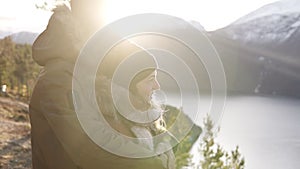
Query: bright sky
{"points": [[21, 15]]}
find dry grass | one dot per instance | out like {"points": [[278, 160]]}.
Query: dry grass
{"points": [[15, 146]]}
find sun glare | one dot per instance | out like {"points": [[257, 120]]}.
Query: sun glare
{"points": [[212, 14], [131, 7]]}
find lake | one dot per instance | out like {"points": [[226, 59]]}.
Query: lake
{"points": [[266, 128]]}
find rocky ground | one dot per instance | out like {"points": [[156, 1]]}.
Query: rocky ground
{"points": [[15, 146]]}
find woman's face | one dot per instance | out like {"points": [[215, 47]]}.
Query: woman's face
{"points": [[146, 86]]}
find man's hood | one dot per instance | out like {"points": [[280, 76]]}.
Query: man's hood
{"points": [[62, 38]]}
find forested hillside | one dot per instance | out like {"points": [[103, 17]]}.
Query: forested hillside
{"points": [[18, 70]]}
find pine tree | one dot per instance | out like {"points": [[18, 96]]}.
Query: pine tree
{"points": [[214, 156]]}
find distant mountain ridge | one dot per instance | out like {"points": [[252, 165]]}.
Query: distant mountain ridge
{"points": [[24, 37], [3, 34], [20, 37]]}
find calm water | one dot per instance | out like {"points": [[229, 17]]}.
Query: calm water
{"points": [[267, 130]]}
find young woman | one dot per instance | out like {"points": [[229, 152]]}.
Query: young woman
{"points": [[128, 105]]}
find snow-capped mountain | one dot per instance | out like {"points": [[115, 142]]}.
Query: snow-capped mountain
{"points": [[277, 24], [282, 7], [276, 28], [261, 51]]}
